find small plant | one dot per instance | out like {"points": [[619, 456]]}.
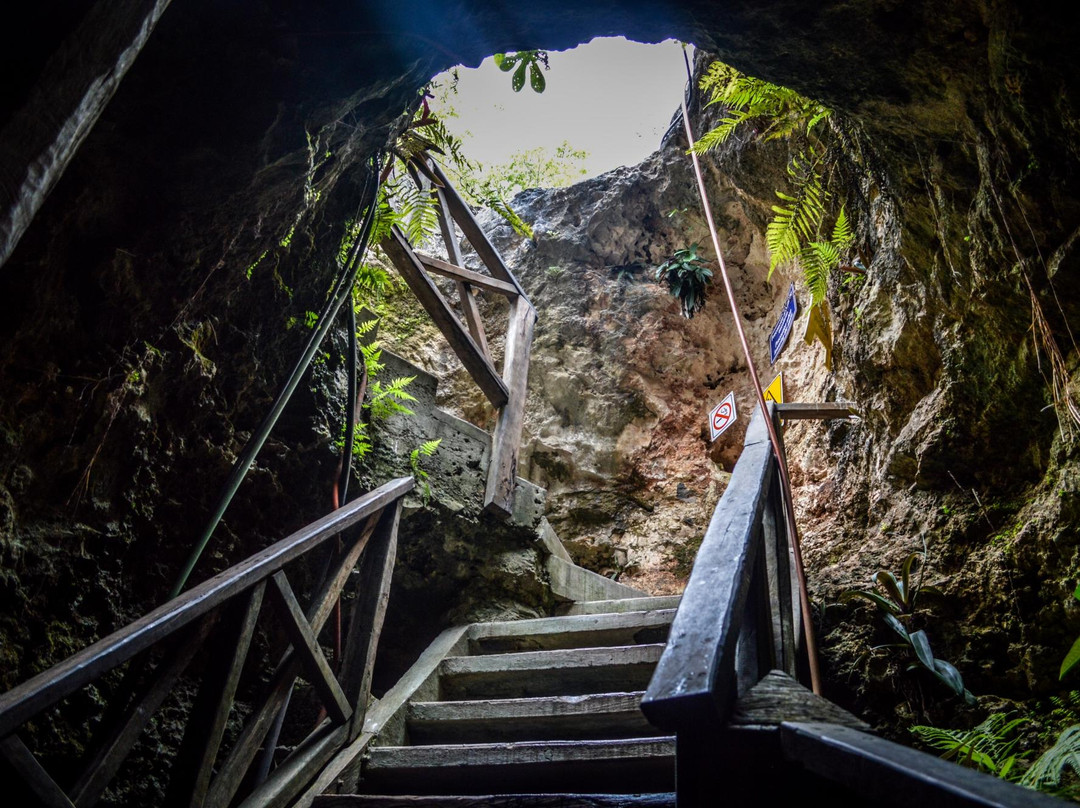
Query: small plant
{"points": [[523, 61], [555, 272], [896, 601], [1073, 657], [987, 747], [686, 274], [425, 449]]}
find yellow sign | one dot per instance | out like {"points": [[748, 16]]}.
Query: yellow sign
{"points": [[818, 326], [775, 390]]}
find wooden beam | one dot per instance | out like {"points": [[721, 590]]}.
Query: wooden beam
{"points": [[77, 83], [463, 215], [23, 761], [112, 750], [23, 702], [468, 303], [193, 768], [369, 612], [885, 773], [297, 770], [822, 411], [400, 253], [459, 273], [502, 469], [306, 645]]}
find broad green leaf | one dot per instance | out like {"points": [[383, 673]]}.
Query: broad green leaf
{"points": [[885, 605], [920, 643], [947, 673], [1076, 592], [536, 78], [887, 581], [518, 81], [1071, 659], [893, 622], [505, 63]]}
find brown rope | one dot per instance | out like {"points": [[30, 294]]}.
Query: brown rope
{"points": [[781, 460]]}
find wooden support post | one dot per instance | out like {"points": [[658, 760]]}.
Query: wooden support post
{"points": [[114, 749], [778, 567], [400, 253], [463, 215], [193, 768], [231, 773], [468, 303], [502, 470], [459, 273], [369, 612], [23, 761], [306, 645]]}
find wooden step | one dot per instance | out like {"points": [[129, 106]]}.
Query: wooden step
{"points": [[570, 672], [574, 631], [499, 801], [623, 605], [619, 766], [600, 715]]}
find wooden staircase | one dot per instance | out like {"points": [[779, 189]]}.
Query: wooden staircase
{"points": [[538, 712]]}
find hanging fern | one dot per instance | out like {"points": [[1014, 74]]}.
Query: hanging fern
{"points": [[795, 234]]}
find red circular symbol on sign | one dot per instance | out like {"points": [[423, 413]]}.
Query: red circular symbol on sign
{"points": [[721, 416]]}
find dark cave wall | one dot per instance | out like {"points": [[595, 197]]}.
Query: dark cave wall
{"points": [[144, 313]]}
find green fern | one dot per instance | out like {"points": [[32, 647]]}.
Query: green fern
{"points": [[386, 399], [1045, 773], [988, 747], [425, 449]]}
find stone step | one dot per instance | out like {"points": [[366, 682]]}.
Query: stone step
{"points": [[600, 715], [498, 801], [623, 605], [573, 631], [569, 672], [619, 766]]}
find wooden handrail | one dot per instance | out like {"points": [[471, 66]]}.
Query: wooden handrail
{"points": [[226, 608], [696, 676]]}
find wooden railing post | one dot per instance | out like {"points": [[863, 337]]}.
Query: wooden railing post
{"points": [[369, 612]]}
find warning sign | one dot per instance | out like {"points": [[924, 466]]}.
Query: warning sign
{"points": [[722, 416], [775, 390]]}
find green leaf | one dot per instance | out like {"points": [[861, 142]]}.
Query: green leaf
{"points": [[920, 643], [1071, 659], [518, 81], [506, 63], [947, 673], [885, 605], [887, 581], [1076, 592], [893, 622], [536, 78]]}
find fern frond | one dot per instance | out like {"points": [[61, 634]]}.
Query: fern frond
{"points": [[842, 236], [817, 259], [987, 747], [428, 447], [1045, 773]]}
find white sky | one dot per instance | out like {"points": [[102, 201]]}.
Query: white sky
{"points": [[611, 97]]}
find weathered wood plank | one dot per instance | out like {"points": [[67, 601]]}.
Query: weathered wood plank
{"points": [[463, 215], [192, 770], [468, 302], [571, 631], [399, 252], [693, 683], [386, 716], [822, 411], [778, 698], [502, 468], [322, 604], [78, 81], [306, 645], [298, 769], [498, 801], [592, 716], [369, 612], [23, 761], [460, 273], [112, 750], [24, 701], [885, 773], [612, 766], [549, 673]]}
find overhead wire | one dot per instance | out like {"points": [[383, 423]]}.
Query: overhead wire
{"points": [[774, 437]]}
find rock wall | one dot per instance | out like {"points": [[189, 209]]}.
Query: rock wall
{"points": [[147, 310]]}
